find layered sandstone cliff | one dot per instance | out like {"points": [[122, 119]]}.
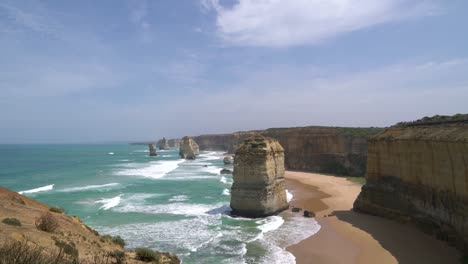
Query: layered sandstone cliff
{"points": [[258, 189], [334, 150], [419, 172], [188, 148]]}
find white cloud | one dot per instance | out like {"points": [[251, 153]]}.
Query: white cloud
{"points": [[280, 23], [139, 17]]}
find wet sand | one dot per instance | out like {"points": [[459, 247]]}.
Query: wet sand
{"points": [[348, 237]]}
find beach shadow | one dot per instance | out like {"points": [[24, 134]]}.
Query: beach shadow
{"points": [[405, 242]]}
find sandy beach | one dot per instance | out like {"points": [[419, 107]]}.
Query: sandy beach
{"points": [[349, 237]]}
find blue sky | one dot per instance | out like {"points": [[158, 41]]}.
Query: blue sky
{"points": [[93, 71]]}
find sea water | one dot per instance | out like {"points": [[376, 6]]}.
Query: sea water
{"points": [[164, 203]]}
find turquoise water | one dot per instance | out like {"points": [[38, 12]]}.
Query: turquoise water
{"points": [[162, 202]]}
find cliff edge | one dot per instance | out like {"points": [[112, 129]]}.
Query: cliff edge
{"points": [[418, 172]]}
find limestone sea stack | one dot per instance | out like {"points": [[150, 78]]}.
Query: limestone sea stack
{"points": [[188, 148], [163, 144], [152, 150], [259, 187]]}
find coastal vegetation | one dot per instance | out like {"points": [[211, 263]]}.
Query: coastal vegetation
{"points": [[146, 254], [46, 222], [57, 209], [434, 120], [11, 221]]}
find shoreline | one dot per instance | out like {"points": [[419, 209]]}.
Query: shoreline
{"points": [[348, 237]]}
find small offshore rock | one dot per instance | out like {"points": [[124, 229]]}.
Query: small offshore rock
{"points": [[152, 150], [228, 160], [225, 171]]}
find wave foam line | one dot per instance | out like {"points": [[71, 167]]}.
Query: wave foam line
{"points": [[88, 187], [289, 196], [110, 202], [40, 189]]}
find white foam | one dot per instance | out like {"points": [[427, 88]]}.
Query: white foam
{"points": [[40, 189], [155, 169], [178, 198], [140, 150], [212, 155], [89, 187], [270, 223], [111, 153], [177, 208], [110, 202], [289, 196], [226, 192], [212, 170]]}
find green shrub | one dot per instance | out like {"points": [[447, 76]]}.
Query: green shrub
{"points": [[57, 209], [11, 221], [68, 248], [46, 222], [119, 241], [146, 254], [105, 238], [118, 255]]}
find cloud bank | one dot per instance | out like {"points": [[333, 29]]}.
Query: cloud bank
{"points": [[282, 23]]}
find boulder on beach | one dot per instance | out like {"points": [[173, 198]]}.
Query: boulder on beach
{"points": [[259, 187], [228, 160], [188, 149], [152, 150]]}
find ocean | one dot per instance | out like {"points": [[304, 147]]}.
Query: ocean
{"points": [[164, 203]]}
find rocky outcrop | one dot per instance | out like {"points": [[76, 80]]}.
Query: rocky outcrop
{"points": [[76, 242], [228, 160], [163, 144], [188, 148], [333, 150], [225, 171], [152, 150], [419, 173], [258, 189]]}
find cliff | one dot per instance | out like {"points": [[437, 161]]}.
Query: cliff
{"points": [[27, 230], [419, 173], [258, 189], [334, 150], [188, 148]]}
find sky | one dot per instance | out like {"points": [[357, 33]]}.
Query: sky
{"points": [[117, 71]]}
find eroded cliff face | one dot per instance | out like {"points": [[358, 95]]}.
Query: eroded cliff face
{"points": [[258, 189], [341, 151], [420, 174], [188, 148]]}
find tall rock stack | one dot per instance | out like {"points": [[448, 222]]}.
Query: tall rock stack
{"points": [[259, 188], [188, 149], [152, 150], [163, 144]]}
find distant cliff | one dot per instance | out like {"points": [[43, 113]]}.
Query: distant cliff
{"points": [[418, 172], [333, 150]]}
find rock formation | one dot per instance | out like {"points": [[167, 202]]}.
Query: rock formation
{"points": [[334, 150], [188, 148], [79, 242], [419, 173], [228, 160], [163, 144], [225, 171], [259, 188], [152, 150]]}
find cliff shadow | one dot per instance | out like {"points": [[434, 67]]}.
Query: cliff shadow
{"points": [[405, 242]]}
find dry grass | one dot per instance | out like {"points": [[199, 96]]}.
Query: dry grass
{"points": [[46, 222]]}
